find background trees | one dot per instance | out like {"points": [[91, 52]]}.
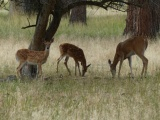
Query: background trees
{"points": [[78, 15], [24, 6]]}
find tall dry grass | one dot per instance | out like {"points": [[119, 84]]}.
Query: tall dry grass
{"points": [[95, 97], [97, 52]]}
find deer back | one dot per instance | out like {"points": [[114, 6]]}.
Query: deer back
{"points": [[72, 51], [31, 56], [131, 46], [37, 56], [34, 57], [22, 54]]}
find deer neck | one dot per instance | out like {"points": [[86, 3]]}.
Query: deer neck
{"points": [[46, 52], [115, 61], [83, 62]]}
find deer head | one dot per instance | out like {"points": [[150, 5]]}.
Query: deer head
{"points": [[48, 43], [84, 70], [112, 69]]}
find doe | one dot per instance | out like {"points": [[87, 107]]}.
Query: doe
{"points": [[134, 45]]}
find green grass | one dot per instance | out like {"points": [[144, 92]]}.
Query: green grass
{"points": [[97, 27], [11, 27]]}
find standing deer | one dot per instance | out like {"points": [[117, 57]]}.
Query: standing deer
{"points": [[134, 45], [68, 50], [26, 56]]}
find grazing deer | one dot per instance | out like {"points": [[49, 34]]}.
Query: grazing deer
{"points": [[134, 45], [26, 56], [68, 50]]}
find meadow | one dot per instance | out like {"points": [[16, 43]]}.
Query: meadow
{"points": [[94, 97]]}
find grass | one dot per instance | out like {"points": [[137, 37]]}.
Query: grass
{"points": [[106, 27], [94, 97], [13, 27], [81, 99]]}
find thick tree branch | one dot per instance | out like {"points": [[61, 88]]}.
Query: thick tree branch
{"points": [[63, 6], [101, 4], [105, 4]]}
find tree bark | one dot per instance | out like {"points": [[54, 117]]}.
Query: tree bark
{"points": [[39, 36], [143, 21]]}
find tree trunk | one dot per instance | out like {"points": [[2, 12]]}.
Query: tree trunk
{"points": [[130, 20], [67, 15], [143, 21], [78, 15], [39, 36]]}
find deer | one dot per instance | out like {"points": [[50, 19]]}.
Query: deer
{"points": [[69, 50], [26, 56], [136, 45]]}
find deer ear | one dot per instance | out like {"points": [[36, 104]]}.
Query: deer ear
{"points": [[109, 62], [88, 65]]}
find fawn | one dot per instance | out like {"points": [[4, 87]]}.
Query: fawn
{"points": [[69, 50], [26, 56]]}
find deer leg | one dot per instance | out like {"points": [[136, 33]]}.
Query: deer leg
{"points": [[65, 62], [146, 67], [58, 60], [19, 68], [77, 64], [145, 64], [79, 70], [75, 68], [130, 65], [39, 70], [120, 65]]}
